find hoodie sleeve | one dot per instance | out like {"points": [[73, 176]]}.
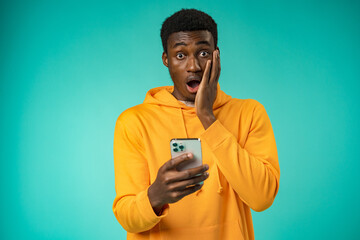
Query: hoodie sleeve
{"points": [[253, 170], [132, 206]]}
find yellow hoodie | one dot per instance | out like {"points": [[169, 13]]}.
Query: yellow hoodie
{"points": [[239, 148]]}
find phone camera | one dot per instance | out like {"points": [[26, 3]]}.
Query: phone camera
{"points": [[176, 150], [175, 144]]}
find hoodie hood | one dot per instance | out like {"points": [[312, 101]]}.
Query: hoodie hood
{"points": [[162, 96]]}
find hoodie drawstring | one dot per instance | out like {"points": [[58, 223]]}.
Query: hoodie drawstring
{"points": [[183, 121], [220, 188]]}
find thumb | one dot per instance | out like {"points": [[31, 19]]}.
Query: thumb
{"points": [[172, 163]]}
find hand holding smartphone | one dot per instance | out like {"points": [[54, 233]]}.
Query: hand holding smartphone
{"points": [[172, 183]]}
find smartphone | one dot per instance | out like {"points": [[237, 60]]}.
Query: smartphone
{"points": [[180, 146]]}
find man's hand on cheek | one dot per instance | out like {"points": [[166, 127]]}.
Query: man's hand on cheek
{"points": [[205, 96]]}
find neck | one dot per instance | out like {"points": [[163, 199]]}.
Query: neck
{"points": [[188, 103]]}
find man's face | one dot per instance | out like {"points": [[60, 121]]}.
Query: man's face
{"points": [[187, 53]]}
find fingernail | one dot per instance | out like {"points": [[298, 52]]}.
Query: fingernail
{"points": [[206, 167], [189, 155], [200, 183]]}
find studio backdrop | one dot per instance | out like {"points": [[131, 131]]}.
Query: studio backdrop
{"points": [[69, 68]]}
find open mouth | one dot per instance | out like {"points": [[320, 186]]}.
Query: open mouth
{"points": [[193, 86]]}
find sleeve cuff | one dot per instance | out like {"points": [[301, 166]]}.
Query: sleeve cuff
{"points": [[146, 209], [215, 135]]}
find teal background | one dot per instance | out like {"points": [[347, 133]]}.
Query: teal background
{"points": [[69, 68]]}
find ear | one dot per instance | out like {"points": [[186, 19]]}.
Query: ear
{"points": [[217, 48], [165, 59]]}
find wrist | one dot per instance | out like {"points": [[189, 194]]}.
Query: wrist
{"points": [[207, 119], [156, 204]]}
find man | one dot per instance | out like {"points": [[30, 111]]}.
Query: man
{"points": [[156, 201]]}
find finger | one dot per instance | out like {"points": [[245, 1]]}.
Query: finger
{"points": [[188, 183], [189, 173], [192, 189], [172, 163], [180, 194], [215, 68], [206, 74], [219, 67]]}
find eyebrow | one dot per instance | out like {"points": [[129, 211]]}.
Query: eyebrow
{"points": [[184, 44], [203, 42]]}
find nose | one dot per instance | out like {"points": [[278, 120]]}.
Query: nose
{"points": [[193, 64]]}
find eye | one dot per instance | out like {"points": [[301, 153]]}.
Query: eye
{"points": [[180, 56], [204, 53]]}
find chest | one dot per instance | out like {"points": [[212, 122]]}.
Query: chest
{"points": [[158, 131]]}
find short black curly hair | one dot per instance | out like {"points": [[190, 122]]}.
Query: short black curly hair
{"points": [[187, 20]]}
